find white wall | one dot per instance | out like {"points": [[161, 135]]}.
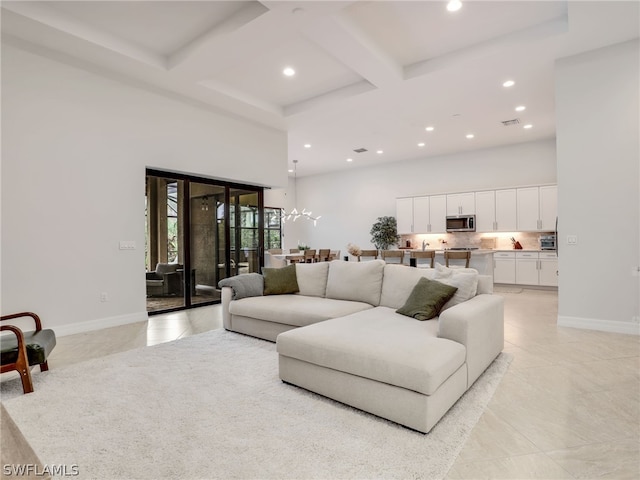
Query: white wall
{"points": [[597, 117], [351, 201], [74, 150]]}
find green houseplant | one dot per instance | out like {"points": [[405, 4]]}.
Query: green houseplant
{"points": [[384, 233]]}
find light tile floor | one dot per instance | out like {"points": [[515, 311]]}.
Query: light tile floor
{"points": [[569, 406]]}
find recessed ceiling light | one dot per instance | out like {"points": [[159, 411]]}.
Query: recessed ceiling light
{"points": [[307, 145], [379, 152], [454, 5], [509, 83], [421, 144], [520, 108], [470, 135], [528, 126], [429, 129], [289, 72], [349, 159]]}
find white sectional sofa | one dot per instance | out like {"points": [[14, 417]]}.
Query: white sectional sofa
{"points": [[341, 336]]}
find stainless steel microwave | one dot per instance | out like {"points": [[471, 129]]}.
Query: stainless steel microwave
{"points": [[461, 223]]}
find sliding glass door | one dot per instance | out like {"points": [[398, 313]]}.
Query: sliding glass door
{"points": [[199, 231]]}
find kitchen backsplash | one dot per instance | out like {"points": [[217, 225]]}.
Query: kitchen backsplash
{"points": [[497, 241]]}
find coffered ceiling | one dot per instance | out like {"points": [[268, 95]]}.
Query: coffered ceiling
{"points": [[369, 75]]}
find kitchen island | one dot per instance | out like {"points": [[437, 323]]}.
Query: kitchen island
{"points": [[481, 259]]}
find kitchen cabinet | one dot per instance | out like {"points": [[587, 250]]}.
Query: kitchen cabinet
{"points": [[527, 208], [548, 269], [486, 211], [506, 211], [537, 208], [536, 268], [437, 214], [404, 215], [426, 214], [496, 211], [548, 207], [461, 204], [527, 268], [504, 267]]}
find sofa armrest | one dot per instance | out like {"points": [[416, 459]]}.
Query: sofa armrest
{"points": [[226, 295], [478, 324]]}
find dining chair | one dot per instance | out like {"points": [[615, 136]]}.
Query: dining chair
{"points": [[368, 253], [392, 255], [415, 256], [324, 255], [309, 255], [457, 255]]}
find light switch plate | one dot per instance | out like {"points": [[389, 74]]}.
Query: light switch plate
{"points": [[127, 245], [572, 239]]}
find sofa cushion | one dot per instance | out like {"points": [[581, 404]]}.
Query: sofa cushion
{"points": [[466, 280], [357, 281], [427, 299], [312, 278], [296, 310], [398, 282], [279, 281], [378, 344]]}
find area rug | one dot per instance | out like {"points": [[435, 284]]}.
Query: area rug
{"points": [[212, 406]]}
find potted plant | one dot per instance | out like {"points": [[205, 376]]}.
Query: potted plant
{"points": [[384, 233]]}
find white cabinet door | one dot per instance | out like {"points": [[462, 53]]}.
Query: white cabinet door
{"points": [[548, 207], [461, 204], [548, 269], [404, 215], [421, 215], [527, 268], [504, 267], [527, 208], [486, 211], [506, 211], [438, 213]]}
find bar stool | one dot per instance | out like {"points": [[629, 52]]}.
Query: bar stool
{"points": [[413, 259], [457, 255], [389, 254]]}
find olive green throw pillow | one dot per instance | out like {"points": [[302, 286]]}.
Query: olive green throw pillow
{"points": [[280, 280], [427, 299]]}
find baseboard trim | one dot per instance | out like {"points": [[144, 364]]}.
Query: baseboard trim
{"points": [[612, 326], [100, 323]]}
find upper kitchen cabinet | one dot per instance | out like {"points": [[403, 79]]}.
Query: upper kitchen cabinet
{"points": [[496, 211], [438, 214], [537, 208], [548, 207], [486, 211], [404, 215], [425, 214], [461, 204]]}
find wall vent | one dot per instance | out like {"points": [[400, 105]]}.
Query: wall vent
{"points": [[360, 150], [508, 123]]}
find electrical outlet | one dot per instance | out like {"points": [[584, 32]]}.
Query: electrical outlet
{"points": [[572, 239], [104, 297]]}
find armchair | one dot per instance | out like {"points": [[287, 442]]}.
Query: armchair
{"points": [[21, 350], [165, 280]]}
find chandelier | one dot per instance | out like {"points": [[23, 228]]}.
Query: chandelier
{"points": [[295, 214]]}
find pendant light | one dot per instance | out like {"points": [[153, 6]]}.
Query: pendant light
{"points": [[295, 214]]}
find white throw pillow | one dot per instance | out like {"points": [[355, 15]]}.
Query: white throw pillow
{"points": [[466, 279], [312, 278], [356, 281]]}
